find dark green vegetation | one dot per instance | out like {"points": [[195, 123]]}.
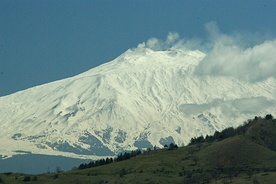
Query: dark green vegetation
{"points": [[246, 154]]}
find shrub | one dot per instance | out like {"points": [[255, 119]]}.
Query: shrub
{"points": [[122, 172], [27, 178], [55, 176], [268, 117], [35, 178], [173, 146], [255, 181]]}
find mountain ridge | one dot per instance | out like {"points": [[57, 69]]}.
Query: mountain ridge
{"points": [[141, 99]]}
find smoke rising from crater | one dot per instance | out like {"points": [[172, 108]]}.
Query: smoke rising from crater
{"points": [[246, 56]]}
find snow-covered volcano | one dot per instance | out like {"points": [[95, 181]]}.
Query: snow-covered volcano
{"points": [[141, 99]]}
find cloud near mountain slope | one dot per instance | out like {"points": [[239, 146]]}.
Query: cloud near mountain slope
{"points": [[245, 56]]}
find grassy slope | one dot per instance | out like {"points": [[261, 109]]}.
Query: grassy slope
{"points": [[218, 162]]}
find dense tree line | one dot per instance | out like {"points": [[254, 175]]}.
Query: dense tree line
{"points": [[171, 146], [120, 157], [228, 132], [124, 156]]}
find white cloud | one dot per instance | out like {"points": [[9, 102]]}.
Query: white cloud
{"points": [[229, 57], [243, 55]]}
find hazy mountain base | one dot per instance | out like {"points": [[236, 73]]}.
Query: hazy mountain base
{"points": [[37, 164]]}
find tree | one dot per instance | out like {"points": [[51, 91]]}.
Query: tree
{"points": [[122, 172], [35, 178], [198, 146], [195, 178], [27, 178], [107, 160], [255, 181], [216, 135], [249, 172], [119, 157], [126, 156], [82, 166], [268, 117], [208, 138], [56, 176], [205, 177], [173, 146], [197, 140], [215, 174], [191, 150], [228, 132], [195, 159], [58, 170], [230, 173], [148, 150]]}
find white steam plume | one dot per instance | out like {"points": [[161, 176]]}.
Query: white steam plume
{"points": [[241, 55], [172, 40]]}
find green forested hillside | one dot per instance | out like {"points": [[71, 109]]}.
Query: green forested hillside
{"points": [[246, 154]]}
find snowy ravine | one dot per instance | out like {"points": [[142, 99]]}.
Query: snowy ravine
{"points": [[141, 99]]}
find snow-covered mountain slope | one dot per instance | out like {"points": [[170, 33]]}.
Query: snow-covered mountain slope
{"points": [[140, 99]]}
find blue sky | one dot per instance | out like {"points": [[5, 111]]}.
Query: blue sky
{"points": [[46, 40]]}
